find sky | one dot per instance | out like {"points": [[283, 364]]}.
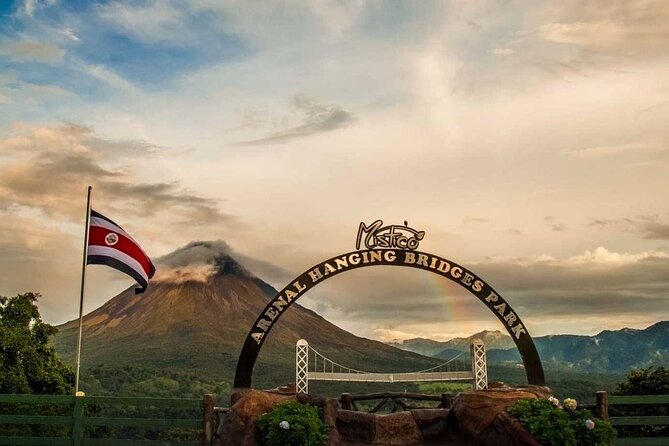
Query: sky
{"points": [[529, 140]]}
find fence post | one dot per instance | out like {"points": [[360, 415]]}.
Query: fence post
{"points": [[445, 401], [207, 418], [602, 408], [78, 428], [346, 402]]}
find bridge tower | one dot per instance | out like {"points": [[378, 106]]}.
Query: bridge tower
{"points": [[301, 366], [479, 366]]}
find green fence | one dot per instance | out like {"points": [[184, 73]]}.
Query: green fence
{"points": [[100, 421], [606, 403]]}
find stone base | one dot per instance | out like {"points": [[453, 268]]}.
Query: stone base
{"points": [[476, 418]]}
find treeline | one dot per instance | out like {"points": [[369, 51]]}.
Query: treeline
{"points": [[106, 380]]}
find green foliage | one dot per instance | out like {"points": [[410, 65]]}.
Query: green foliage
{"points": [[439, 388], [554, 426], [126, 380], [28, 364], [304, 427], [650, 381]]}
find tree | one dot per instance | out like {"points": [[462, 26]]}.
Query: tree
{"points": [[650, 381], [28, 364]]}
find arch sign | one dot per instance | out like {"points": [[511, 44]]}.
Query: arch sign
{"points": [[392, 245]]}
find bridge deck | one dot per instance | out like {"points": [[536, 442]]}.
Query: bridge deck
{"points": [[391, 377]]}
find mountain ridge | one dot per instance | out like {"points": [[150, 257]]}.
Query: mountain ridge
{"points": [[610, 351]]}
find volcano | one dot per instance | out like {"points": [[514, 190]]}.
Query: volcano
{"points": [[195, 317]]}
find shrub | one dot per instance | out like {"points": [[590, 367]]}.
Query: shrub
{"points": [[650, 381], [553, 426], [293, 424]]}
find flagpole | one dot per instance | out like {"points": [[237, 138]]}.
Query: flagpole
{"points": [[83, 284]]}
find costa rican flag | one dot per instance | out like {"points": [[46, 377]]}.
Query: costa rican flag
{"points": [[109, 244]]}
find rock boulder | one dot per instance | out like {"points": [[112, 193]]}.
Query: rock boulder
{"points": [[481, 418], [237, 427]]}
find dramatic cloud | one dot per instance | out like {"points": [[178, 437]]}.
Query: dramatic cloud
{"points": [[47, 168]]}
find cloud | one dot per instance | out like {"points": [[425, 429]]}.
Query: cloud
{"points": [[648, 226], [13, 90], [475, 220], [197, 258], [502, 52], [636, 152], [70, 34], [48, 167], [602, 255], [154, 21], [640, 27], [655, 230], [27, 51], [555, 226], [75, 138], [29, 7], [265, 24], [316, 118], [600, 223], [109, 77]]}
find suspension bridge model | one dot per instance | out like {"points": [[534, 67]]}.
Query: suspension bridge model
{"points": [[310, 365]]}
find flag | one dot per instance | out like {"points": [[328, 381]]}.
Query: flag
{"points": [[109, 244]]}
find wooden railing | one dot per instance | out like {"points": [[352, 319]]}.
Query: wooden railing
{"points": [[605, 401], [394, 400], [76, 416]]}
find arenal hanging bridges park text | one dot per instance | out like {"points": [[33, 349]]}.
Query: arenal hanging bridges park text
{"points": [[390, 245]]}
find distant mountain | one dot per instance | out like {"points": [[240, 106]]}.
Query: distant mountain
{"points": [[195, 317], [422, 346], [611, 351], [492, 339], [447, 349]]}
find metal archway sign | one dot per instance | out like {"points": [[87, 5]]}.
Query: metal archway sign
{"points": [[387, 246]]}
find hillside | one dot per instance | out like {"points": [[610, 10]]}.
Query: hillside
{"points": [[194, 319], [611, 351]]}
